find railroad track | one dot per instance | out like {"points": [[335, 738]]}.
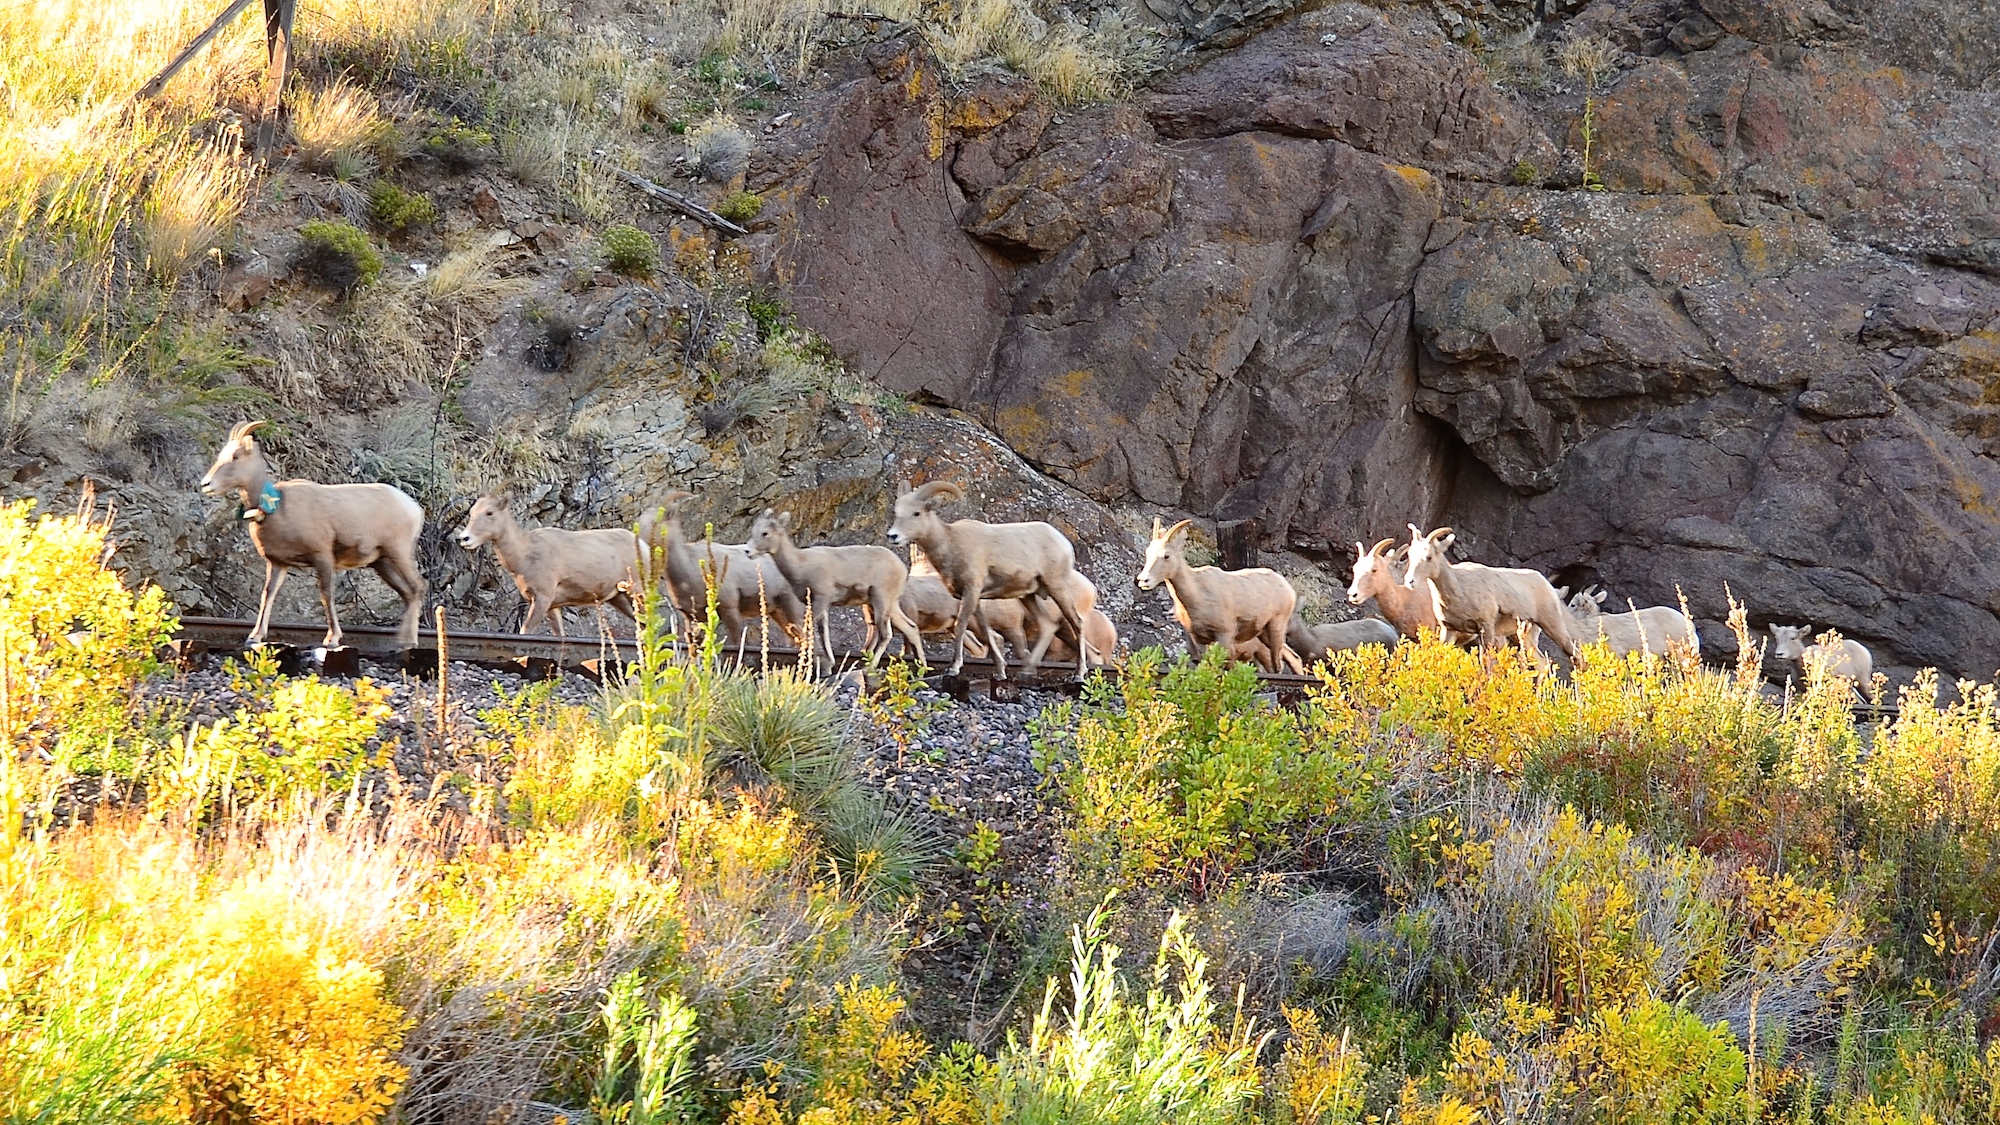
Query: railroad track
{"points": [[298, 650]]}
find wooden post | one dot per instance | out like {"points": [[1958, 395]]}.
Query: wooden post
{"points": [[159, 81], [1236, 540], [278, 58]]}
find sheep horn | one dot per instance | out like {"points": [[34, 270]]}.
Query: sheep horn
{"points": [[245, 429], [1382, 548], [1179, 528], [1440, 533], [939, 490]]}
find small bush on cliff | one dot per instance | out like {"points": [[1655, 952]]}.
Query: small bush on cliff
{"points": [[630, 251], [740, 206], [393, 209], [338, 255]]}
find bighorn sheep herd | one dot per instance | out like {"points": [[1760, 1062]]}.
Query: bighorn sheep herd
{"points": [[988, 587]]}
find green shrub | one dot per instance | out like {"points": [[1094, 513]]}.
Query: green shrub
{"points": [[1183, 774], [740, 206], [630, 251], [337, 254], [1526, 173], [459, 147], [394, 209]]}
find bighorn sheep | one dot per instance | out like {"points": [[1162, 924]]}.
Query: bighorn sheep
{"points": [[1851, 660], [979, 560], [1313, 642], [746, 587], [1378, 575], [932, 609], [1215, 606], [1651, 629], [554, 568], [1100, 636], [1034, 625], [328, 527], [867, 576], [1487, 602]]}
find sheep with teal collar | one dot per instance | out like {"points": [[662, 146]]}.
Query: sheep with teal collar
{"points": [[327, 527]]}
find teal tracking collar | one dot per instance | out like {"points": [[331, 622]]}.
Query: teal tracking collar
{"points": [[268, 498]]}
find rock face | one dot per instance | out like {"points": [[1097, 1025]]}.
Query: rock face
{"points": [[1336, 280]]}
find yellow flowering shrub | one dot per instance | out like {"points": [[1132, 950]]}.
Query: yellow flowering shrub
{"points": [[304, 738], [312, 1040], [73, 638]]}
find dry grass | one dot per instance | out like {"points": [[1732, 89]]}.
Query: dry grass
{"points": [[336, 129], [191, 205], [466, 282]]}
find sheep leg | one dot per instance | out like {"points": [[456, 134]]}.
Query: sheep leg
{"points": [[1274, 645], [323, 567], [410, 586], [1074, 620], [556, 615], [535, 615], [968, 609], [870, 621], [911, 636], [274, 577]]}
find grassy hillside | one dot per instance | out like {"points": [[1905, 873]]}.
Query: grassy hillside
{"points": [[1444, 889]]}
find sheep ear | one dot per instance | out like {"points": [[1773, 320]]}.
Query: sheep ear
{"points": [[1562, 593], [1360, 552], [1449, 538], [502, 501], [675, 499], [785, 520], [1416, 532]]}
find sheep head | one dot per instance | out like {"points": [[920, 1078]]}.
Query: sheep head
{"points": [[916, 517], [1427, 554], [239, 465], [1789, 641], [489, 521], [1165, 555], [771, 533], [1374, 570]]}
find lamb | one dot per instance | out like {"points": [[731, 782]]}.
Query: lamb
{"points": [[746, 587], [1313, 642], [1850, 660], [932, 609], [1487, 602], [554, 568], [1376, 575], [867, 576], [1651, 629], [979, 560], [1100, 636], [1226, 607], [328, 527]]}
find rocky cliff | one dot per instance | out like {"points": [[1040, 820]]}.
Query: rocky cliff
{"points": [[1714, 310]]}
